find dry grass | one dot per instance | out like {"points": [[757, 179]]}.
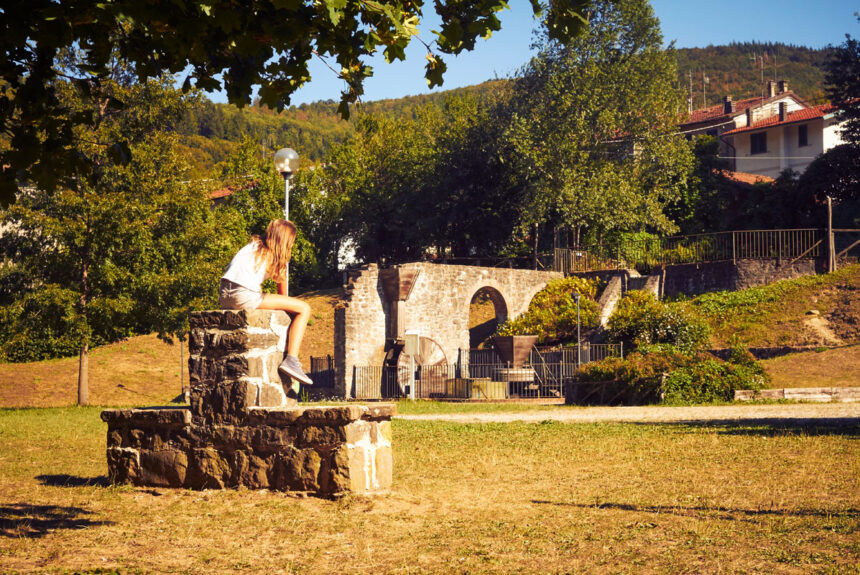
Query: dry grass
{"points": [[779, 314], [138, 371], [493, 498], [829, 368]]}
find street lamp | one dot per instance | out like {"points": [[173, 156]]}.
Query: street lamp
{"points": [[578, 340], [287, 162]]}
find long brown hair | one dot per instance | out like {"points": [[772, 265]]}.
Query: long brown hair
{"points": [[275, 247]]}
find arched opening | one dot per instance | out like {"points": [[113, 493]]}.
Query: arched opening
{"points": [[487, 309]]}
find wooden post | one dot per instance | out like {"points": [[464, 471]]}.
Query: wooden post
{"points": [[831, 253]]}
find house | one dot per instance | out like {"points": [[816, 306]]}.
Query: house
{"points": [[769, 134]]}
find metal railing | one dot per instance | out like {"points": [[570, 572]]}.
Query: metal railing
{"points": [[322, 372], [481, 374], [789, 245]]}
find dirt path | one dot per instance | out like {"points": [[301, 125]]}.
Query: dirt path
{"points": [[781, 414]]}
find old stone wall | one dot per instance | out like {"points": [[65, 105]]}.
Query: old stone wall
{"points": [[234, 357], [438, 308], [692, 279], [242, 429], [321, 450]]}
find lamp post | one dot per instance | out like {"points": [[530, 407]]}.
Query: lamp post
{"points": [[287, 162], [578, 340]]}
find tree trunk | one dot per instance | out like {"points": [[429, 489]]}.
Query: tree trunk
{"points": [[535, 250], [84, 376]]}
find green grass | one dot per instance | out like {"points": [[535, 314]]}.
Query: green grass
{"points": [[775, 314], [489, 498]]}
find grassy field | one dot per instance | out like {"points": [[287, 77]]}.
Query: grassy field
{"points": [[790, 312], [492, 498], [825, 368]]}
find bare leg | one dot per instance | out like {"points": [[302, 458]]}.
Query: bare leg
{"points": [[299, 312]]}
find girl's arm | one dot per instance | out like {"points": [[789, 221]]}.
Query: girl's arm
{"points": [[282, 287]]}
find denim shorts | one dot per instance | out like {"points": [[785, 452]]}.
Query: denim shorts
{"points": [[233, 296]]}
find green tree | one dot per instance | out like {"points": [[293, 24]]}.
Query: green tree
{"points": [[131, 246], [267, 44], [593, 132]]}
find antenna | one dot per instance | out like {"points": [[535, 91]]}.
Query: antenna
{"points": [[690, 96]]}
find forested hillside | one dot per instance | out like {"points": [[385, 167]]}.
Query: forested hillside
{"points": [[211, 130], [738, 69]]}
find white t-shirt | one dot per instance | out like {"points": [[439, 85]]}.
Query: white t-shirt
{"points": [[243, 270]]}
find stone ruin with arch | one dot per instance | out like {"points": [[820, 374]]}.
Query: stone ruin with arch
{"points": [[382, 305]]}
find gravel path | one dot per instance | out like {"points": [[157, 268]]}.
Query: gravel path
{"points": [[782, 414]]}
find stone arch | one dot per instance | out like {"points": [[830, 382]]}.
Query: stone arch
{"points": [[527, 300], [480, 324]]}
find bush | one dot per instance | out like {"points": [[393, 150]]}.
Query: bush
{"points": [[552, 312], [640, 319], [689, 378]]}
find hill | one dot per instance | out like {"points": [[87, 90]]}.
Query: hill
{"points": [[741, 69], [211, 130]]}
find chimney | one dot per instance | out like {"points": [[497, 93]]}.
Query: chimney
{"points": [[728, 105], [783, 86], [749, 117], [783, 111], [771, 89]]}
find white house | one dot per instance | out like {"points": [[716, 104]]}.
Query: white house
{"points": [[767, 135], [787, 140]]}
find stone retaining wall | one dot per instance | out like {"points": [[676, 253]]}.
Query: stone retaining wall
{"points": [[242, 429]]}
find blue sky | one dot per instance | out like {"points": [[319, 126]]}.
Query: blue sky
{"points": [[689, 23]]}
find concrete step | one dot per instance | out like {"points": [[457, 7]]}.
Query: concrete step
{"points": [[818, 394]]}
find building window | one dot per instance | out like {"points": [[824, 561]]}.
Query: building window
{"points": [[802, 136], [758, 143]]}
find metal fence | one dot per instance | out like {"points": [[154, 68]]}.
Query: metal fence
{"points": [[481, 374], [322, 372], [722, 246]]}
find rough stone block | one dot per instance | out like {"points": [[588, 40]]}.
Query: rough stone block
{"points": [[207, 469], [384, 428], [360, 469], [227, 399], [298, 470], [123, 465], [314, 436], [166, 468], [276, 416], [383, 467], [358, 431], [272, 395]]}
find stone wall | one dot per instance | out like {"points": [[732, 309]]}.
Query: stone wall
{"points": [[692, 279], [234, 357], [321, 450], [242, 429], [438, 308]]}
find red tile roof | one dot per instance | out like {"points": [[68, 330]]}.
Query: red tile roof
{"points": [[803, 115], [717, 112], [745, 177]]}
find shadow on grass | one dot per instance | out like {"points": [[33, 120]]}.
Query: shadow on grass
{"points": [[771, 427], [713, 512], [34, 521], [65, 480]]}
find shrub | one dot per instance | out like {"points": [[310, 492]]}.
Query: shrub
{"points": [[552, 312], [640, 319], [689, 378]]}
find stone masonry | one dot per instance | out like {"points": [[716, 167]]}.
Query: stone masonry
{"points": [[437, 307], [241, 429]]}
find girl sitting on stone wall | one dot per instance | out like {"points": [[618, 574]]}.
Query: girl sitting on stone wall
{"points": [[263, 258]]}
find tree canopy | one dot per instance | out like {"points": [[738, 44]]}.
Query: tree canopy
{"points": [[215, 43]]}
